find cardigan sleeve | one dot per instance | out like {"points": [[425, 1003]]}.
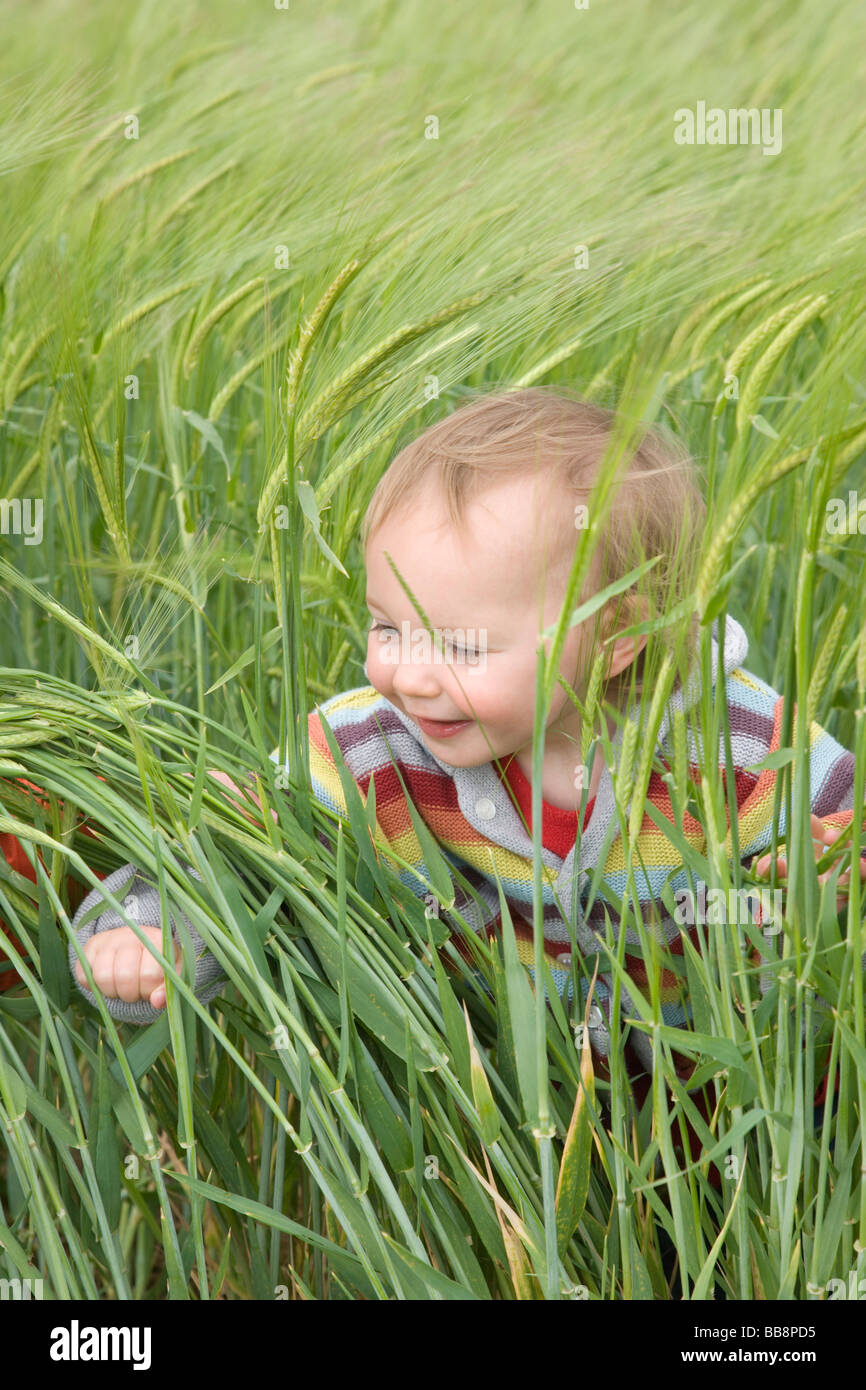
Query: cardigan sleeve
{"points": [[140, 899], [756, 715]]}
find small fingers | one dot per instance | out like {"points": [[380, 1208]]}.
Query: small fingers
{"points": [[825, 834], [122, 966], [763, 866], [843, 878]]}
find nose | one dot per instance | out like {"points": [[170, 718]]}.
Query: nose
{"points": [[415, 677], [412, 670]]}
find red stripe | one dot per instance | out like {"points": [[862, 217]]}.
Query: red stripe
{"points": [[558, 825], [15, 856]]}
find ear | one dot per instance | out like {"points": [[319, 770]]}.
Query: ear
{"points": [[625, 650]]}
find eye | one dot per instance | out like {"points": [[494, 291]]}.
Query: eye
{"points": [[455, 647], [469, 652]]}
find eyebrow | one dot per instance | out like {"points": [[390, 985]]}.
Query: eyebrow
{"points": [[371, 603]]}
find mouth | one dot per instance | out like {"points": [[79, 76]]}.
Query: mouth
{"points": [[440, 728]]}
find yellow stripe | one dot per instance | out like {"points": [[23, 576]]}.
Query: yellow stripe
{"points": [[745, 679]]}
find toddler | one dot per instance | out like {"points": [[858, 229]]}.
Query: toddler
{"points": [[480, 516]]}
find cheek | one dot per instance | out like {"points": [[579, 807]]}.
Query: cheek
{"points": [[380, 671], [577, 655], [524, 676], [498, 694]]}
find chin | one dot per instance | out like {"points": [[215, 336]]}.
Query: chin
{"points": [[458, 760]]}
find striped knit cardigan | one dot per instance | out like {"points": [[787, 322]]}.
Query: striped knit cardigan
{"points": [[474, 820], [472, 817]]}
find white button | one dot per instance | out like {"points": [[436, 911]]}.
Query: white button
{"points": [[565, 960], [484, 808]]}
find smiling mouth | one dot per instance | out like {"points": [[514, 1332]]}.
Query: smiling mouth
{"points": [[440, 726], [425, 719]]}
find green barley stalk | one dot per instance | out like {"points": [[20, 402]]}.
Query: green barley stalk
{"points": [[13, 381], [825, 661], [701, 312], [625, 767], [47, 431], [600, 383], [234, 333], [727, 310], [331, 74], [753, 491], [198, 56], [763, 369], [312, 326], [6, 358], [226, 392], [677, 378], [142, 175], [141, 311], [767, 328], [593, 692], [297, 360], [350, 465], [547, 364], [325, 408], [183, 203], [211, 319], [215, 102]]}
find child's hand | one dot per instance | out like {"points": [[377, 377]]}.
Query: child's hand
{"points": [[123, 969], [233, 787], [822, 836]]}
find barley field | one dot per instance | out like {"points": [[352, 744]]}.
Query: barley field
{"points": [[247, 253]]}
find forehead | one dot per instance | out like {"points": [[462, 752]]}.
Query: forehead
{"points": [[514, 539]]}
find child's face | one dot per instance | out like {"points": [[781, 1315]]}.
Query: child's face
{"points": [[490, 578]]}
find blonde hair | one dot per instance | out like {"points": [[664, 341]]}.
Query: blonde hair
{"points": [[656, 509]]}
